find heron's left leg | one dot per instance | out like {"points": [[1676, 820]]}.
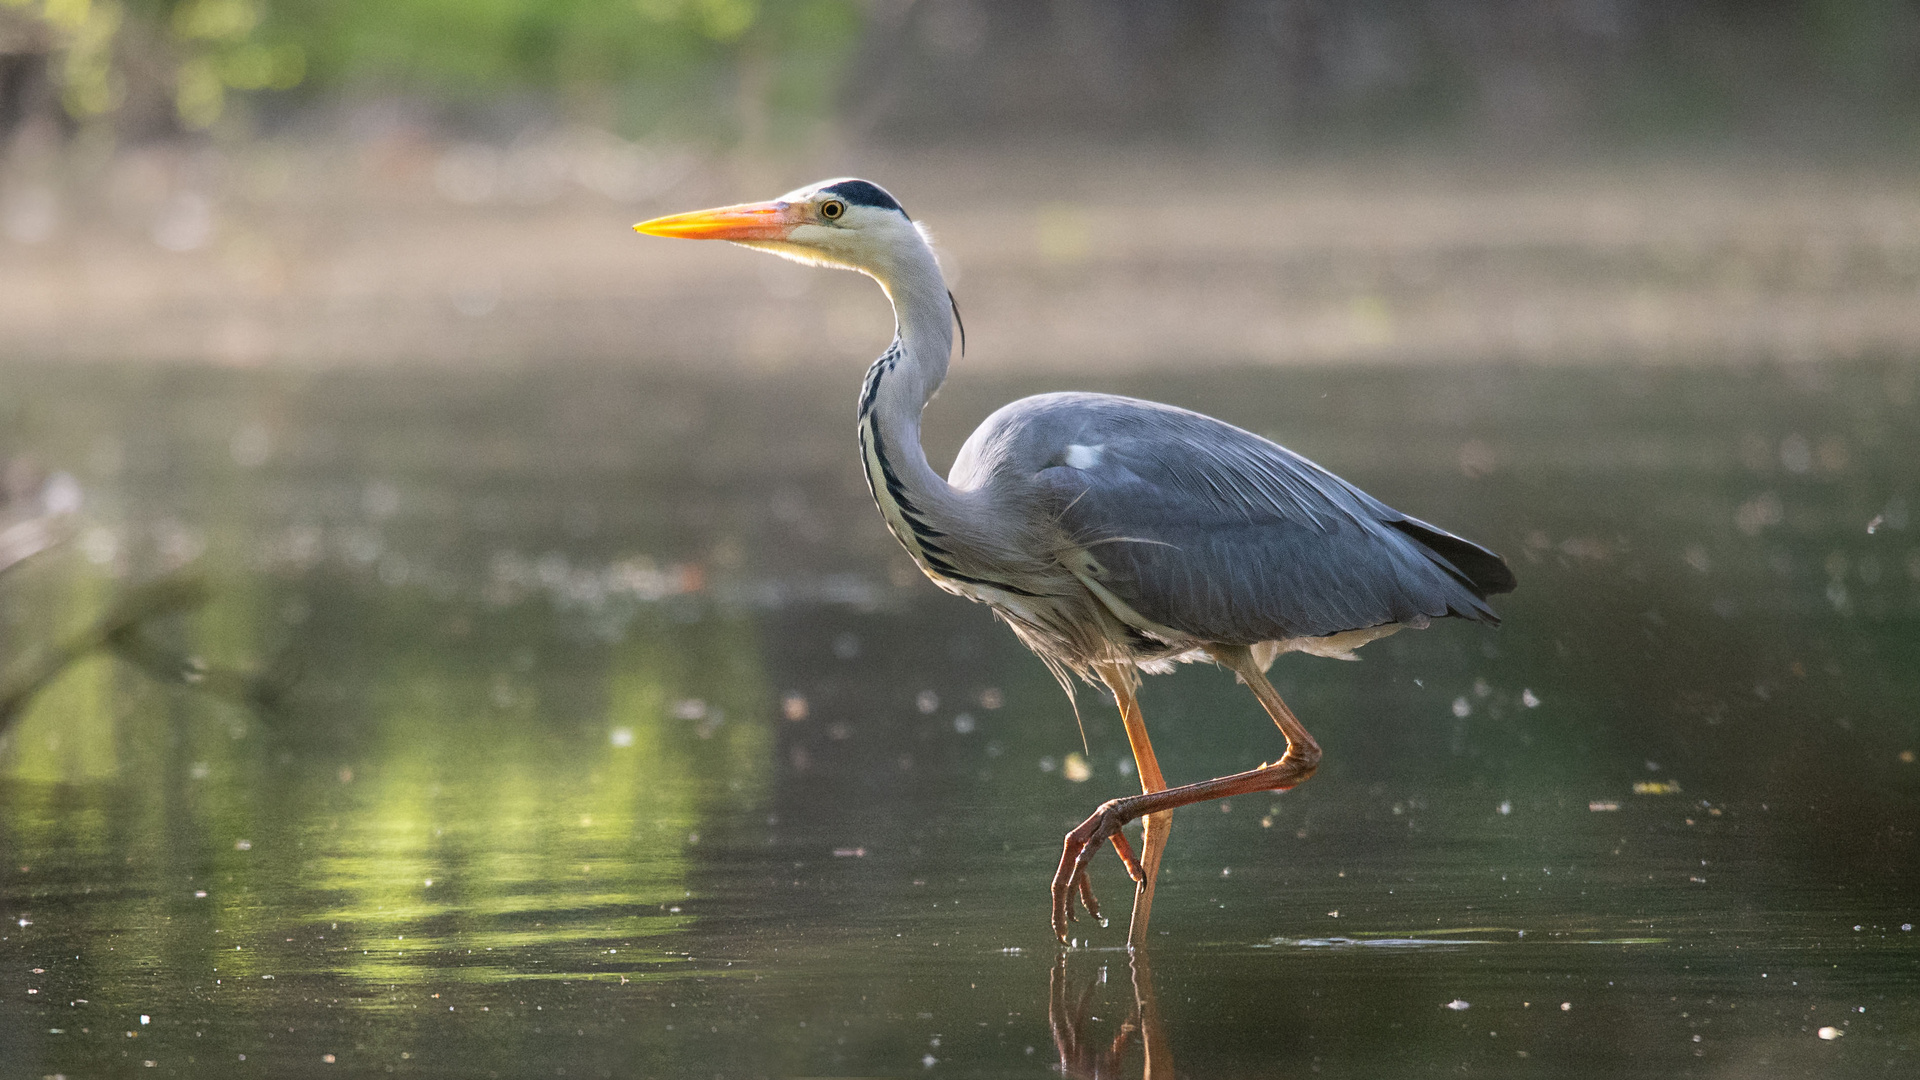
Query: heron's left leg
{"points": [[1295, 766], [1124, 680]]}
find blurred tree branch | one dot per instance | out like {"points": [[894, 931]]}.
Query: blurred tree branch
{"points": [[36, 514], [141, 604], [123, 632]]}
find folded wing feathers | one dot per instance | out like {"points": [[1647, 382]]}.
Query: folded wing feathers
{"points": [[1231, 537]]}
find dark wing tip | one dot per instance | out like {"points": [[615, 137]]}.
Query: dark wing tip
{"points": [[1480, 570]]}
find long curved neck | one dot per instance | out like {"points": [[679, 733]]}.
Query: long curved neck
{"points": [[901, 382]]}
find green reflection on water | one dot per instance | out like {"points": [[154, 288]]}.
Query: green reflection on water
{"points": [[480, 841], [491, 821]]}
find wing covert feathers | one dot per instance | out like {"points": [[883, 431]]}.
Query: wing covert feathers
{"points": [[1223, 535]]}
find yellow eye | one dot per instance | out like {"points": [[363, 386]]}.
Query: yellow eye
{"points": [[832, 209]]}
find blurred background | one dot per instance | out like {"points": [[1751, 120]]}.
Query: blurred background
{"points": [[442, 632], [257, 182]]}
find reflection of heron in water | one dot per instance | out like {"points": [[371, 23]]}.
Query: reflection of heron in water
{"points": [[1085, 1058], [1115, 535]]}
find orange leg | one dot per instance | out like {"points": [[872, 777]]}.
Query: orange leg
{"points": [[1299, 762], [1124, 681]]}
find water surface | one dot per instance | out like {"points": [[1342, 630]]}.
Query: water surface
{"points": [[590, 724]]}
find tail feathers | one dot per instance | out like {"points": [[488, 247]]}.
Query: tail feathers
{"points": [[1480, 570]]}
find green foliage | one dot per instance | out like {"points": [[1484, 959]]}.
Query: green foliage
{"points": [[660, 54]]}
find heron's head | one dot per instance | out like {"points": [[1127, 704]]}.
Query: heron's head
{"points": [[847, 223]]}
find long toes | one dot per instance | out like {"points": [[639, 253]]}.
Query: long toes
{"points": [[1063, 897], [1086, 897]]}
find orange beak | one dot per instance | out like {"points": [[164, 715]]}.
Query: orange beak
{"points": [[747, 221]]}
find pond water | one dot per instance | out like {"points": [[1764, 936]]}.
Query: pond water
{"points": [[589, 724]]}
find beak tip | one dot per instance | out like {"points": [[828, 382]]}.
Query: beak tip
{"points": [[751, 221]]}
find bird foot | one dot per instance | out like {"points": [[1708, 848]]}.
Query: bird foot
{"points": [[1070, 881]]}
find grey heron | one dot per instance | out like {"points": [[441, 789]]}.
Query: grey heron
{"points": [[1113, 535]]}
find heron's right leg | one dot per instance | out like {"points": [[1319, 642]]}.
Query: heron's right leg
{"points": [[1295, 766]]}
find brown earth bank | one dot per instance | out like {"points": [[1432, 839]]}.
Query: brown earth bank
{"points": [[409, 249]]}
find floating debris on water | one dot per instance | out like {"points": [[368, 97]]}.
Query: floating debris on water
{"points": [[1077, 768], [1370, 943], [1529, 699], [1830, 1033], [1601, 806], [1458, 1005], [1656, 787]]}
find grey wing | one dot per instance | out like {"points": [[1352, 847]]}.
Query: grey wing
{"points": [[1215, 532]]}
